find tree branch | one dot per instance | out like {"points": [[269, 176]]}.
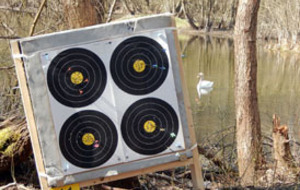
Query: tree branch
{"points": [[9, 37], [165, 177], [212, 157], [8, 67], [111, 11], [37, 16]]}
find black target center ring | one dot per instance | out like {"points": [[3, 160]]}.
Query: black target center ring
{"points": [[149, 126], [76, 77], [139, 65], [88, 139]]}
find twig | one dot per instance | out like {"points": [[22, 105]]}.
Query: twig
{"points": [[212, 157], [37, 17], [111, 11], [8, 8], [106, 187], [132, 12], [7, 121], [182, 175], [8, 28], [165, 177], [268, 138], [9, 37], [8, 67], [8, 185], [292, 141], [267, 144], [21, 186]]}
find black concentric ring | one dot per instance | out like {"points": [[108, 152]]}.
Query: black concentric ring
{"points": [[88, 122], [156, 111], [91, 69], [146, 80]]}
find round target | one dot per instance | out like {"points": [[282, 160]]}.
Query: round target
{"points": [[149, 126], [88, 139], [139, 65], [76, 77]]}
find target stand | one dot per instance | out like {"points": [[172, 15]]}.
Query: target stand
{"points": [[106, 102]]}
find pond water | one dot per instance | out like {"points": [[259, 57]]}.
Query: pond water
{"points": [[278, 81], [278, 85]]}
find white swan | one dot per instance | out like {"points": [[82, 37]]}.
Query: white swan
{"points": [[204, 86]]}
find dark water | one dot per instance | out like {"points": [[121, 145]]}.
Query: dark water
{"points": [[278, 85]]}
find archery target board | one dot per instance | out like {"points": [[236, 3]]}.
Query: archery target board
{"points": [[113, 101]]}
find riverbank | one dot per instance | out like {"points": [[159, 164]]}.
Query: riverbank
{"points": [[271, 43]]}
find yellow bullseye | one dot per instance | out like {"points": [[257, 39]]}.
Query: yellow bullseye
{"points": [[139, 65], [149, 126], [88, 139], [76, 77]]}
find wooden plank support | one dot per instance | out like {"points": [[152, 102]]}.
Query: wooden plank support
{"points": [[196, 169], [31, 125], [137, 172]]}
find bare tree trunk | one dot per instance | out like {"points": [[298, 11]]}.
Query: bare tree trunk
{"points": [[189, 18], [233, 14], [249, 141], [80, 13]]}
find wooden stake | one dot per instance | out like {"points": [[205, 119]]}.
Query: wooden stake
{"points": [[196, 169], [19, 65]]}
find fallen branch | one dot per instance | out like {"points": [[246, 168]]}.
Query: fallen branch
{"points": [[165, 177], [18, 186], [212, 157], [8, 8], [184, 174], [11, 31], [8, 185]]}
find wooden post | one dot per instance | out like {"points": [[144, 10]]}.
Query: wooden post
{"points": [[19, 65], [195, 167]]}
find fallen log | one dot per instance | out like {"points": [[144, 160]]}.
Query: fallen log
{"points": [[212, 157], [15, 144]]}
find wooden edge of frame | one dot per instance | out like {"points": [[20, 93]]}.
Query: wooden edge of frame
{"points": [[31, 125], [142, 171], [196, 169]]}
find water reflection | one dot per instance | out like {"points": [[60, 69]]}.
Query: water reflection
{"points": [[278, 77]]}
